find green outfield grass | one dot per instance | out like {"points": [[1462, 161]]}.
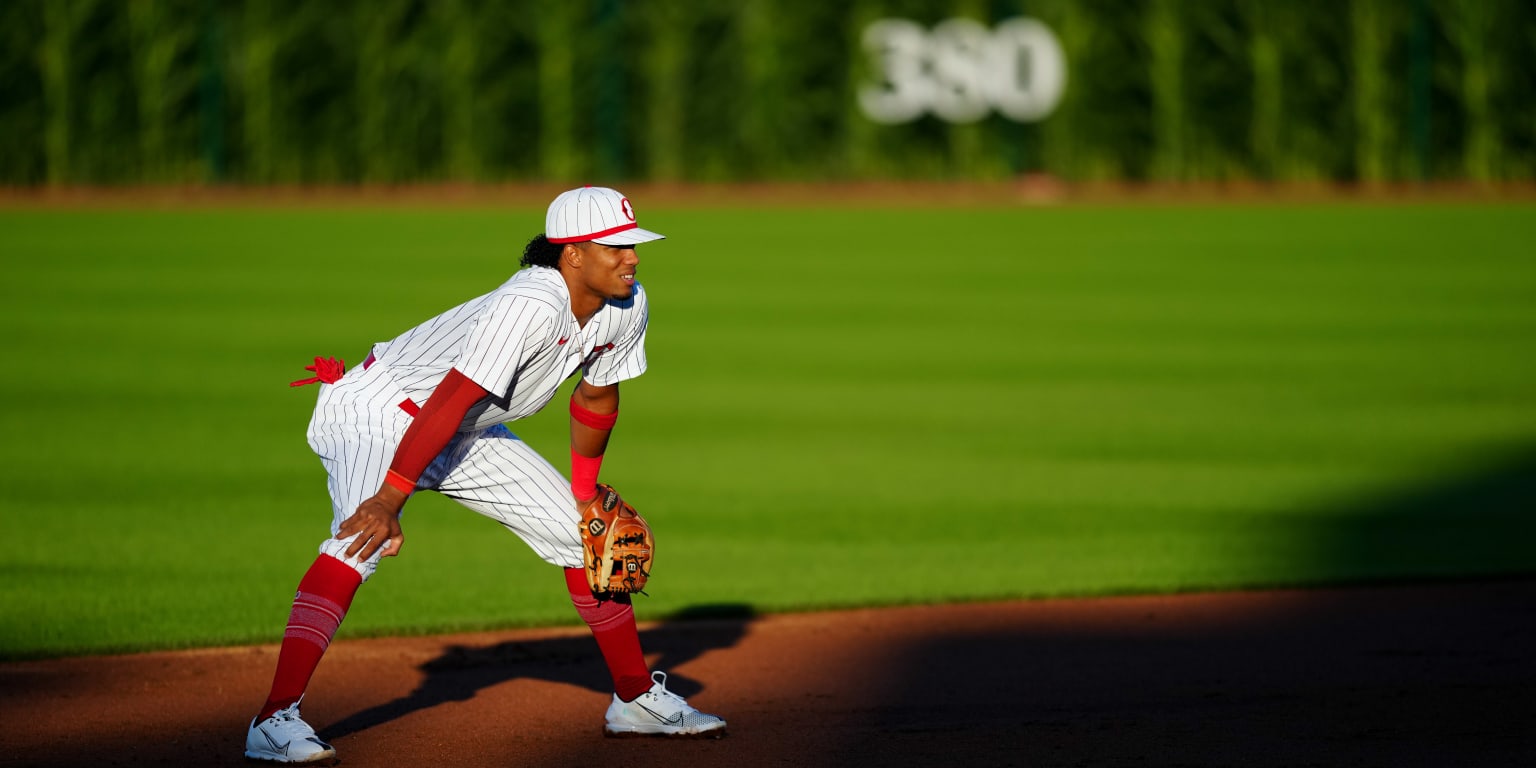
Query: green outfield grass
{"points": [[844, 407]]}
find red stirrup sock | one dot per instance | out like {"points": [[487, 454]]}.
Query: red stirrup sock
{"points": [[613, 625], [325, 593]]}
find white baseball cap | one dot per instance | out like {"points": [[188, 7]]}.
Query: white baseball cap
{"points": [[599, 214]]}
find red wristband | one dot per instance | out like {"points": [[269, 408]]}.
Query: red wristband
{"points": [[584, 475], [591, 419], [400, 482]]}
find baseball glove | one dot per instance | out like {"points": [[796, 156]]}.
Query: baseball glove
{"points": [[616, 543]]}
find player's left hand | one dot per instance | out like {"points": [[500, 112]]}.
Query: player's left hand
{"points": [[616, 544], [376, 523]]}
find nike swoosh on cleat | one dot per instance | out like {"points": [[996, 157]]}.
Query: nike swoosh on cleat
{"points": [[276, 747], [675, 720]]}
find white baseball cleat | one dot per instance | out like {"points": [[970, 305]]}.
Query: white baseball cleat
{"points": [[286, 738], [660, 712]]}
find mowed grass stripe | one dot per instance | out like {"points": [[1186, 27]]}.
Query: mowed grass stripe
{"points": [[844, 408]]}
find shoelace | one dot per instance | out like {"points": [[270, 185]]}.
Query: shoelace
{"points": [[327, 370], [666, 694]]}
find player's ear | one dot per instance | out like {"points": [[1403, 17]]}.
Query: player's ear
{"points": [[571, 256]]}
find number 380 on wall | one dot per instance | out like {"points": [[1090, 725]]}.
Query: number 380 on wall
{"points": [[961, 70]]}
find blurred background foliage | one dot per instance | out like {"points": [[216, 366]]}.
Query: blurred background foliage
{"points": [[396, 91]]}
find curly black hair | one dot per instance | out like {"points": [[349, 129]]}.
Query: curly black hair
{"points": [[540, 252]]}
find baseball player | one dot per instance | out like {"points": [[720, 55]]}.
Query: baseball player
{"points": [[426, 411]]}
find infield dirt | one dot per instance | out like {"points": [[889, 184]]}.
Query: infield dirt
{"points": [[1422, 675]]}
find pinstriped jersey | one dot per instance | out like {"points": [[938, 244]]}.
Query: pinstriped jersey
{"points": [[520, 342]]}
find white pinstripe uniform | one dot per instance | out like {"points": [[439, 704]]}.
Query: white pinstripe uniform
{"points": [[519, 342]]}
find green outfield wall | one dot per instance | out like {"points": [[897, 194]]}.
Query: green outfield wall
{"points": [[392, 91]]}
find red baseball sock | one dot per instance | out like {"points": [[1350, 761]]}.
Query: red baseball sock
{"points": [[325, 593], [613, 625]]}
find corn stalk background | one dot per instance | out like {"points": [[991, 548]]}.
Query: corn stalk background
{"points": [[397, 91]]}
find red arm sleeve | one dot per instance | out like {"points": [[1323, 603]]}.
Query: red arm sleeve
{"points": [[434, 426], [594, 410]]}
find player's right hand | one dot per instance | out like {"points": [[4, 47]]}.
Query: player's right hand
{"points": [[376, 524]]}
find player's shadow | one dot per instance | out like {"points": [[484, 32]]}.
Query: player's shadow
{"points": [[463, 671]]}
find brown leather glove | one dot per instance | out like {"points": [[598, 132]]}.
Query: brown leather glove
{"points": [[616, 544]]}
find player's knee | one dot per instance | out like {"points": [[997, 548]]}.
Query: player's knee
{"points": [[593, 611], [337, 548]]}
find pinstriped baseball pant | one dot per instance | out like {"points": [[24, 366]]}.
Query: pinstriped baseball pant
{"points": [[357, 425]]}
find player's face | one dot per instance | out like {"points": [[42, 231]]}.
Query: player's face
{"points": [[609, 270]]}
